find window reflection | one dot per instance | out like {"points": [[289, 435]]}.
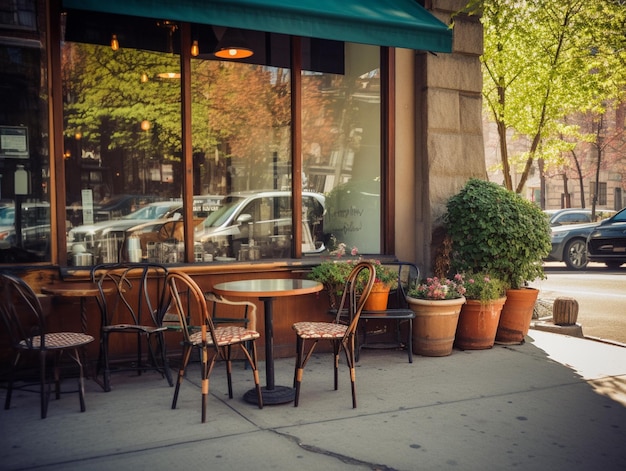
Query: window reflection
{"points": [[122, 119], [24, 154]]}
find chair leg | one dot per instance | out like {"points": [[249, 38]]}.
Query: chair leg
{"points": [[336, 344], [181, 373], [81, 378], [205, 380], [57, 375], [349, 350], [139, 351], [299, 369], [252, 357], [164, 362], [409, 343], [44, 393], [7, 401], [229, 371], [105, 355]]}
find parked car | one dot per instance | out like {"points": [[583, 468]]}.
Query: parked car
{"points": [[569, 245], [562, 217], [607, 242]]}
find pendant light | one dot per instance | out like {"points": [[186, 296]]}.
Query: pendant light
{"points": [[233, 46]]}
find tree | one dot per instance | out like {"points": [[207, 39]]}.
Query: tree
{"points": [[545, 59]]}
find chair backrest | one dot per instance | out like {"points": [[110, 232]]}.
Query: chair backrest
{"points": [[356, 291], [408, 277], [21, 312], [186, 299], [139, 294], [249, 311]]}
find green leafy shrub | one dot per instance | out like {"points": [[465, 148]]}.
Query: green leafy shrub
{"points": [[496, 231]]}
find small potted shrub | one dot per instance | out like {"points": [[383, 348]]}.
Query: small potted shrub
{"points": [[480, 315], [437, 303], [497, 231]]}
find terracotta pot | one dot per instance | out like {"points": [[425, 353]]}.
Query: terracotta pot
{"points": [[478, 324], [435, 325], [516, 315], [377, 300]]}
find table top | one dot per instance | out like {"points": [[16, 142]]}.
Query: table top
{"points": [[268, 287], [75, 289]]}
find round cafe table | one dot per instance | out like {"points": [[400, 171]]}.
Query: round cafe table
{"points": [[267, 290]]}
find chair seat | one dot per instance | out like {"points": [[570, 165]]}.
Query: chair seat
{"points": [[60, 340], [324, 330], [389, 314], [138, 328], [226, 335]]}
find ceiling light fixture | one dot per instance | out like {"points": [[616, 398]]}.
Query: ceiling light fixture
{"points": [[233, 46]]}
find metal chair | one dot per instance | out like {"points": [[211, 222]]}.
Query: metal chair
{"points": [[137, 309], [25, 322], [342, 332], [199, 331], [397, 310]]}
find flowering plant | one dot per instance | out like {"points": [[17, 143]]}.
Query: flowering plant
{"points": [[439, 288], [483, 287]]}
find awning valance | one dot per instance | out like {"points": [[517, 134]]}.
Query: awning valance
{"points": [[394, 23]]}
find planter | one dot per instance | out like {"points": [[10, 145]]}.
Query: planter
{"points": [[435, 325], [377, 300], [516, 315], [478, 324]]}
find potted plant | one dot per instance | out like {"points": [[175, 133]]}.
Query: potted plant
{"points": [[437, 303], [333, 274], [479, 317], [497, 231]]}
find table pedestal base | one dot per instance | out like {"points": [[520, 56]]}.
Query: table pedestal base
{"points": [[278, 395]]}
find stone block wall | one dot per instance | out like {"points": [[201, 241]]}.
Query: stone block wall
{"points": [[448, 130]]}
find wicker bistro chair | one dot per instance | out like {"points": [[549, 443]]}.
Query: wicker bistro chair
{"points": [[136, 310], [199, 331], [25, 322], [341, 333]]}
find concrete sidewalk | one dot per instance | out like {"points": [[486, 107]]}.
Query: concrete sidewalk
{"points": [[556, 402]]}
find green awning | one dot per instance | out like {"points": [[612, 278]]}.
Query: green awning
{"points": [[394, 23]]}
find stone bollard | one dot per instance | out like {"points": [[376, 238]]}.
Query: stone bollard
{"points": [[565, 311]]}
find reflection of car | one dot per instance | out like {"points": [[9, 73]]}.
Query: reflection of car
{"points": [[121, 205], [607, 242], [254, 221], [34, 227], [262, 218], [105, 238], [569, 245]]}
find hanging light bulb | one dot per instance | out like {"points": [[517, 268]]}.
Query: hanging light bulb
{"points": [[195, 49], [115, 45]]}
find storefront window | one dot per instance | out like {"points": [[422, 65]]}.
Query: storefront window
{"points": [[341, 148], [123, 151], [24, 154]]}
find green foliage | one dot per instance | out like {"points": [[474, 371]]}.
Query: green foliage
{"points": [[496, 231], [483, 287], [544, 60], [333, 273]]}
